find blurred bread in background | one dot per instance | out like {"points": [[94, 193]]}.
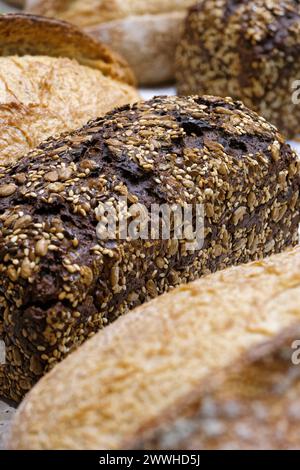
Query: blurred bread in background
{"points": [[248, 50], [145, 32], [16, 3]]}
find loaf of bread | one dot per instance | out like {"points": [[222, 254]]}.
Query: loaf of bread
{"points": [[153, 358], [16, 3], [145, 32], [254, 404], [248, 50], [61, 280], [53, 78]]}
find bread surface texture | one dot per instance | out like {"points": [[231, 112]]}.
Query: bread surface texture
{"points": [[62, 280], [144, 32], [247, 50], [16, 3], [91, 12], [251, 405], [53, 79], [25, 34], [149, 360]]}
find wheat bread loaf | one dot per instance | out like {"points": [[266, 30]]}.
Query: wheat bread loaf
{"points": [[106, 392], [61, 280], [246, 50], [145, 32], [53, 79]]}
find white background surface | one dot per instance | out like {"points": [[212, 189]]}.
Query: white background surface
{"points": [[6, 412]]}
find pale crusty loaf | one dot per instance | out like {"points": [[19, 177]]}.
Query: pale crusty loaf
{"points": [[53, 78], [254, 404], [61, 281], [145, 32], [148, 360]]}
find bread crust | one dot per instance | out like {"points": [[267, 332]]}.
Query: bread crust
{"points": [[253, 404], [53, 79], [150, 359], [146, 33], [32, 35]]}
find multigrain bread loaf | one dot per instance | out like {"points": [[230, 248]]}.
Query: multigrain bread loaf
{"points": [[145, 32], [247, 50], [53, 78], [61, 280], [151, 359], [254, 404]]}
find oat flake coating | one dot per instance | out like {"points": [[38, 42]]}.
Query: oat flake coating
{"points": [[247, 50], [60, 284]]}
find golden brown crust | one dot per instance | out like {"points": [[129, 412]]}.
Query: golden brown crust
{"points": [[251, 405], [22, 34], [151, 358], [44, 96], [53, 79]]}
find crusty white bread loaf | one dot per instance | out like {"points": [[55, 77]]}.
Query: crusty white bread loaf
{"points": [[53, 78], [145, 32], [145, 362], [253, 404]]}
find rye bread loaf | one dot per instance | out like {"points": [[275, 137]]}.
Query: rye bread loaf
{"points": [[53, 78], [252, 405], [246, 50], [61, 281], [145, 32], [152, 358]]}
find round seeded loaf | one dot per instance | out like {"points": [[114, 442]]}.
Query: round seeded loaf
{"points": [[53, 78], [145, 32], [149, 360], [247, 50]]}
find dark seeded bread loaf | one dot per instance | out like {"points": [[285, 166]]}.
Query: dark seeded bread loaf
{"points": [[254, 404], [168, 352], [248, 50], [60, 283]]}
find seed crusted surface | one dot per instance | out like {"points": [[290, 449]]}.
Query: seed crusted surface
{"points": [[60, 284], [247, 50]]}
